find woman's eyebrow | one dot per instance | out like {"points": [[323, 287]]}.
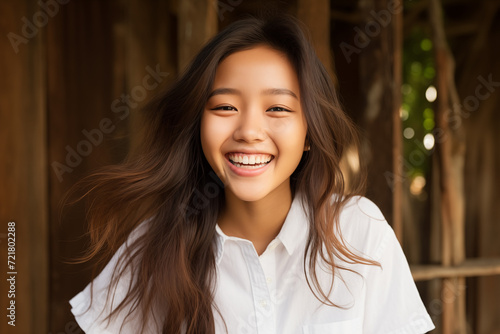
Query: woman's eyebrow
{"points": [[269, 91], [279, 91], [225, 91]]}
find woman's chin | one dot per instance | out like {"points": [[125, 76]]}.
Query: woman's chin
{"points": [[249, 194]]}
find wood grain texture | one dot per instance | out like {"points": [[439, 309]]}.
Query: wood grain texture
{"points": [[469, 268], [80, 63], [378, 89], [197, 22], [23, 168], [316, 16]]}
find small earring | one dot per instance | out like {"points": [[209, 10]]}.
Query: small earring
{"points": [[308, 148]]}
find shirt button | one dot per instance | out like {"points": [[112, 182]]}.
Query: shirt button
{"points": [[269, 279], [263, 303]]}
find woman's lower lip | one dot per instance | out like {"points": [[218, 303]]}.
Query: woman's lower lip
{"points": [[247, 172]]}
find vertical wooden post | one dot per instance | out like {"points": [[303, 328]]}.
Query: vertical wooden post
{"points": [[451, 152], [197, 23], [316, 16], [397, 141], [23, 171], [380, 70]]}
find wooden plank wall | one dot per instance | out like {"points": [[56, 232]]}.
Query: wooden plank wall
{"points": [[80, 90], [197, 23], [58, 90], [148, 39], [96, 84], [23, 168]]}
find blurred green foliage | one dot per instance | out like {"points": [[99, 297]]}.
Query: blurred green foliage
{"points": [[417, 112]]}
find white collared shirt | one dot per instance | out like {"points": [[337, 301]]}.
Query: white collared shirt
{"points": [[269, 294]]}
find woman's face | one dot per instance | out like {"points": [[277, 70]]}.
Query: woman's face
{"points": [[253, 128]]}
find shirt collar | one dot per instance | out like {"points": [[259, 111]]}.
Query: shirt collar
{"points": [[294, 230]]}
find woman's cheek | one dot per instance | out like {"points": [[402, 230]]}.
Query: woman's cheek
{"points": [[279, 125]]}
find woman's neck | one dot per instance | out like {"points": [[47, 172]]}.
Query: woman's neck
{"points": [[258, 221]]}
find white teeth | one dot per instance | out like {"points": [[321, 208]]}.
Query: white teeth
{"points": [[250, 160]]}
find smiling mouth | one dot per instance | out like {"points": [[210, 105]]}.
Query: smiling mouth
{"points": [[249, 161]]}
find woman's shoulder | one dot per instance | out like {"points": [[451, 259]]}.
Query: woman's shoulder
{"points": [[364, 227], [362, 210], [99, 298]]}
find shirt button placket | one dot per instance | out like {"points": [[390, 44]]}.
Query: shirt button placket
{"points": [[265, 313]]}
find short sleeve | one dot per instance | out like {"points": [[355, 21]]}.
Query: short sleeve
{"points": [[393, 304], [91, 316]]}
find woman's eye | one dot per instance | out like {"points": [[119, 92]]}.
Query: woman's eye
{"points": [[228, 108], [278, 109]]}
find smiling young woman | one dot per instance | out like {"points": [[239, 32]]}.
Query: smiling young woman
{"points": [[282, 246], [253, 135]]}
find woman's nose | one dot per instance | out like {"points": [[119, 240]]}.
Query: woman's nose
{"points": [[251, 126]]}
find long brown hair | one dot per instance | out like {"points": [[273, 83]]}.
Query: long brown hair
{"points": [[173, 261]]}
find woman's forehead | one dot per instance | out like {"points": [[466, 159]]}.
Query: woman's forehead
{"points": [[261, 66]]}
